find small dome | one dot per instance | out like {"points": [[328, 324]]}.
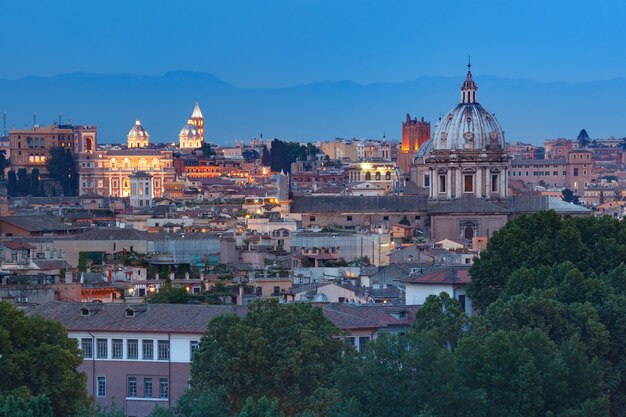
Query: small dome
{"points": [[189, 131], [424, 150], [138, 131], [468, 126]]}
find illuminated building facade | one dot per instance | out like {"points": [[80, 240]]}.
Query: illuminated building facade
{"points": [[138, 136], [192, 134]]}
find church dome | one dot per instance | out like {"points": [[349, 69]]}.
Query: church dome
{"points": [[424, 150], [468, 126], [189, 131], [138, 131]]}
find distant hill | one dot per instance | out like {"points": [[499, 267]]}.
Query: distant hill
{"points": [[527, 110]]}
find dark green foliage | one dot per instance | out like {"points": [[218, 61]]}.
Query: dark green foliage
{"points": [[61, 167], [404, 221], [23, 182], [20, 403], [169, 295], [569, 197], [207, 150], [34, 182], [284, 352], [282, 154], [4, 162], [583, 139], [11, 183], [37, 356]]}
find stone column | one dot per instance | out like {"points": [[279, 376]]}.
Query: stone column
{"points": [[479, 192], [434, 181], [459, 183], [449, 184], [488, 183], [503, 188]]}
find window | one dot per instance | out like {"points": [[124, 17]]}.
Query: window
{"points": [[426, 180], [368, 176], [575, 172], [117, 349], [163, 388], [148, 350], [147, 387], [311, 218], [87, 347], [442, 183], [132, 349], [164, 350], [132, 386], [276, 291], [494, 183], [468, 186], [349, 218], [193, 346], [555, 173], [385, 218], [102, 346], [101, 386], [462, 302], [362, 342], [378, 176]]}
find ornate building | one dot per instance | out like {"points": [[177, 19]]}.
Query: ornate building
{"points": [[138, 136], [192, 134], [108, 173]]}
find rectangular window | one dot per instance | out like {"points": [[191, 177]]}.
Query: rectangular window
{"points": [[117, 349], [462, 302], [385, 218], [163, 388], [101, 386], [349, 218], [555, 173], [132, 386], [148, 350], [468, 185], [87, 347], [311, 218], [362, 342], [193, 346], [442, 183], [426, 180], [575, 172], [147, 387], [102, 346], [494, 183], [164, 350], [132, 349]]}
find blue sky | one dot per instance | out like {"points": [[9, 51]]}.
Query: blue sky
{"points": [[285, 42]]}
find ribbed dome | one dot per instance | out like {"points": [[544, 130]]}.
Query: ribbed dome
{"points": [[138, 131], [468, 125], [424, 150], [189, 131]]}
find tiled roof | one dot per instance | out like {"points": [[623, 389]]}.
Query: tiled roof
{"points": [[190, 318], [113, 233], [357, 204], [444, 275], [17, 245], [468, 205], [39, 223]]}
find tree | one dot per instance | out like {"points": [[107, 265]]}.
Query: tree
{"points": [[4, 162], [23, 182], [169, 295], [569, 197], [266, 158], [34, 182], [20, 403], [207, 150], [38, 356], [284, 352], [442, 318], [404, 221], [11, 184], [61, 167], [583, 139]]}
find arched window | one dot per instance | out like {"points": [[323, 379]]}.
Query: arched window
{"points": [[368, 176], [113, 163], [468, 233], [387, 175], [143, 163], [126, 163], [378, 176]]}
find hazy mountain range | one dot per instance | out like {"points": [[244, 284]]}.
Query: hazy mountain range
{"points": [[527, 110]]}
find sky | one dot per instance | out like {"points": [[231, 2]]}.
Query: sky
{"points": [[276, 43]]}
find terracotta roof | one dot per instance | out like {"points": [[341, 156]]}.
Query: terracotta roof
{"points": [[17, 245], [445, 275]]}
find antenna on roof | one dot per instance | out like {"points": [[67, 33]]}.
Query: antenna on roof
{"points": [[34, 118]]}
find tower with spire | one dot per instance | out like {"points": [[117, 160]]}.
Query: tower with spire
{"points": [[197, 120]]}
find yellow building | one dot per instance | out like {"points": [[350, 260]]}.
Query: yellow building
{"points": [[192, 134], [138, 136]]}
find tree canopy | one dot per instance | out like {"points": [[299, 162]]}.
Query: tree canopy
{"points": [[61, 167], [282, 154], [39, 359], [280, 352]]}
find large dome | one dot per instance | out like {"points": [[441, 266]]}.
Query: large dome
{"points": [[189, 131], [468, 126], [138, 131]]}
